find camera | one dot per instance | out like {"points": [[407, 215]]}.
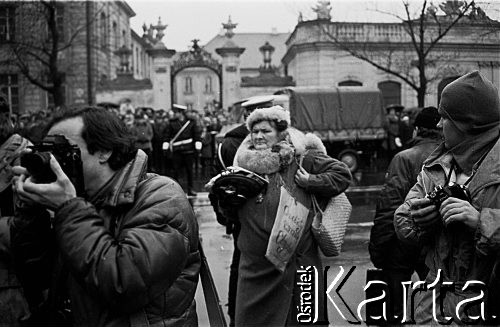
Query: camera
{"points": [[441, 193], [37, 162]]}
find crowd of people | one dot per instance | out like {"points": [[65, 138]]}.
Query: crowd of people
{"points": [[108, 239], [151, 128]]}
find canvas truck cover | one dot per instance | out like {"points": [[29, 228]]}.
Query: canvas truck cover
{"points": [[342, 113]]}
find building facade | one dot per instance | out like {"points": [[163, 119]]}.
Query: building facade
{"points": [[82, 45], [313, 57], [100, 59]]}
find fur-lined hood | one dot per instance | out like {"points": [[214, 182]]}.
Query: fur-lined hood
{"points": [[281, 155]]}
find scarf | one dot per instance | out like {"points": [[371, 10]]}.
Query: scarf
{"points": [[470, 151]]}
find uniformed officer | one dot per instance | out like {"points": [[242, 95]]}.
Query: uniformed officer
{"points": [[183, 140]]}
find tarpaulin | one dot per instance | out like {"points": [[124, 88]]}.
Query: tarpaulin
{"points": [[335, 109]]}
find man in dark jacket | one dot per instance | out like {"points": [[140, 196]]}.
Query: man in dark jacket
{"points": [[126, 252], [183, 136], [398, 261]]}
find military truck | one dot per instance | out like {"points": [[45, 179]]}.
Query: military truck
{"points": [[349, 121]]}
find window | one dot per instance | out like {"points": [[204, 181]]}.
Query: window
{"points": [[391, 91], [208, 84], [7, 23], [188, 85], [103, 31], [350, 83], [136, 63], [116, 36], [9, 86]]}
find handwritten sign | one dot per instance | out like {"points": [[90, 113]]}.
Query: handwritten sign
{"points": [[287, 230]]}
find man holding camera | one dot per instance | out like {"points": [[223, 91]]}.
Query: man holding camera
{"points": [[454, 208], [124, 253]]}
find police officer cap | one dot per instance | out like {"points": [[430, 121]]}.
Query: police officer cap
{"points": [[178, 107], [396, 107]]}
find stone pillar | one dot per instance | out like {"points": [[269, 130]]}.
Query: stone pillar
{"points": [[231, 78], [160, 76]]}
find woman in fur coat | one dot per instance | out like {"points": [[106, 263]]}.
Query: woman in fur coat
{"points": [[269, 291]]}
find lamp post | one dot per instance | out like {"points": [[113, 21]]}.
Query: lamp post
{"points": [[267, 50]]}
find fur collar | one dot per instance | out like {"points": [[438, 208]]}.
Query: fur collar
{"points": [[269, 161]]}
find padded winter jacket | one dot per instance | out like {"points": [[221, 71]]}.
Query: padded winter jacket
{"points": [[131, 252], [386, 251]]}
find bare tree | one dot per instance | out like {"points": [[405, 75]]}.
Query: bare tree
{"points": [[45, 30], [415, 57]]}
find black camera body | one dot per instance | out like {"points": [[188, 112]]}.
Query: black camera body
{"points": [[441, 193], [37, 162]]}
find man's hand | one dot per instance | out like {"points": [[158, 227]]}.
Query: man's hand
{"points": [[302, 177], [423, 212], [453, 209], [49, 195]]}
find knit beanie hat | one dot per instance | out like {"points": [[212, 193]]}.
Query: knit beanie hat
{"points": [[275, 113], [427, 118], [471, 102]]}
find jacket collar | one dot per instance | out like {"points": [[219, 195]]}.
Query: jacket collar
{"points": [[418, 140], [487, 173], [120, 189]]}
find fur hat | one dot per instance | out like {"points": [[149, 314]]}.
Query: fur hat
{"points": [[471, 102], [427, 118], [275, 113]]}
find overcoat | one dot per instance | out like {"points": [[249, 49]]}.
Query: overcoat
{"points": [[267, 296]]}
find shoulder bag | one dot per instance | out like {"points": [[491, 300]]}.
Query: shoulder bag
{"points": [[329, 225]]}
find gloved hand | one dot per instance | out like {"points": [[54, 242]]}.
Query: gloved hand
{"points": [[197, 145]]}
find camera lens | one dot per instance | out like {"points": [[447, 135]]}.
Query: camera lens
{"points": [[38, 165]]}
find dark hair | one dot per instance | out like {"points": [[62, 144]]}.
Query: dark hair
{"points": [[429, 133], [102, 131]]}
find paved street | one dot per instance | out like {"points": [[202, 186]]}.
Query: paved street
{"points": [[218, 248]]}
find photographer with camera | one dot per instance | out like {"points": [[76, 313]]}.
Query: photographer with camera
{"points": [[453, 210], [125, 252]]}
